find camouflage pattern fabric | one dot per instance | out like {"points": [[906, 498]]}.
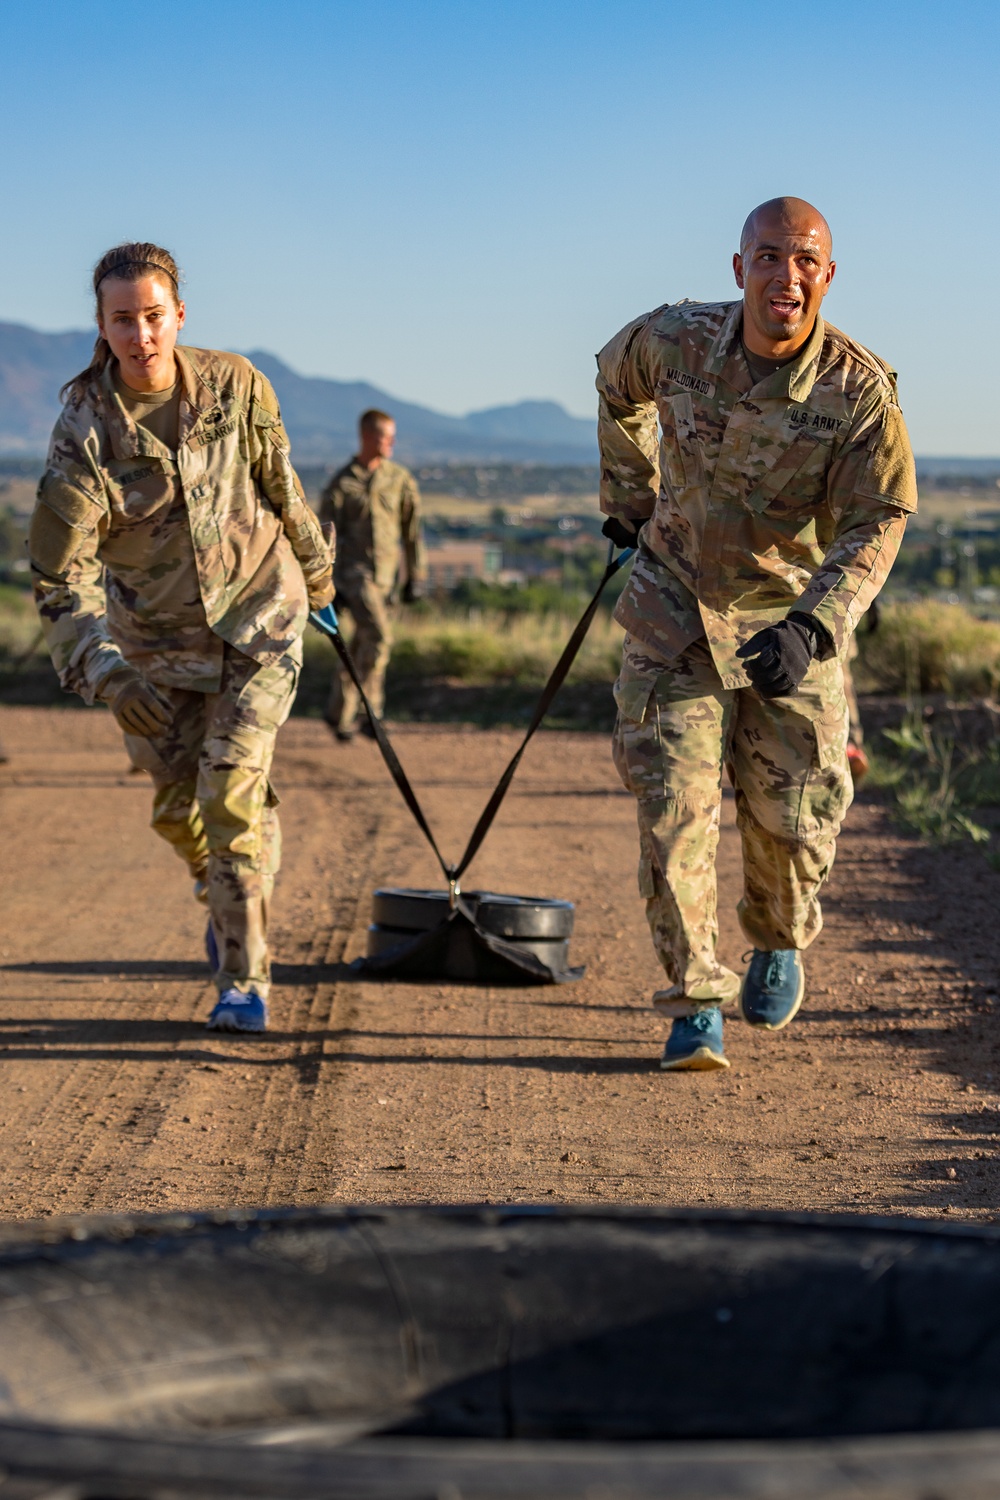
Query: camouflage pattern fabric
{"points": [[213, 801], [678, 725], [857, 733], [160, 558], [375, 512], [756, 498], [371, 644]]}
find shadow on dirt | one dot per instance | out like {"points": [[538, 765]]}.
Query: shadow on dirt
{"points": [[930, 994]]}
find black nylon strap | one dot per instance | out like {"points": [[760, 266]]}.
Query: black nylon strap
{"points": [[453, 873], [389, 755], [549, 691]]}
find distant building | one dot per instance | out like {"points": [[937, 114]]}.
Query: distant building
{"points": [[452, 563]]}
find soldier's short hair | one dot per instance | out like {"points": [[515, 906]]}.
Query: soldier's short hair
{"points": [[371, 418]]}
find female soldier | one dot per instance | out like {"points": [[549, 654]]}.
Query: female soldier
{"points": [[174, 561]]}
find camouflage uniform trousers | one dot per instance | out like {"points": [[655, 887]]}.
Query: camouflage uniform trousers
{"points": [[214, 804], [677, 728], [369, 608]]}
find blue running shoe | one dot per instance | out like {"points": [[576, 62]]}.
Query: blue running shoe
{"points": [[235, 1011], [773, 987], [695, 1042], [212, 948]]}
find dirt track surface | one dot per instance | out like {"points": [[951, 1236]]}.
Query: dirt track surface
{"points": [[883, 1095]]}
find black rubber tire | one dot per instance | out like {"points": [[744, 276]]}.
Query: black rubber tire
{"points": [[476, 1350], [504, 916], [551, 951]]}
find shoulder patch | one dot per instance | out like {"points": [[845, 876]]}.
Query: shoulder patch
{"points": [[890, 473], [77, 509]]}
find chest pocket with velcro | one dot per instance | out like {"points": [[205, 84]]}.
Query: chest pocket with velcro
{"points": [[804, 460], [140, 488], [681, 448]]}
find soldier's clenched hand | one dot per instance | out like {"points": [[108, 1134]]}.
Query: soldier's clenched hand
{"points": [[778, 656], [137, 705], [321, 593], [622, 533]]}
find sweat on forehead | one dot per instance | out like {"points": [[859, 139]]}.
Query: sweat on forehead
{"points": [[789, 216]]}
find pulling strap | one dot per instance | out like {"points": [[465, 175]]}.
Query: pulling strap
{"points": [[325, 620]]}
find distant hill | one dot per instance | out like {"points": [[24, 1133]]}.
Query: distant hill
{"points": [[33, 366], [321, 415]]}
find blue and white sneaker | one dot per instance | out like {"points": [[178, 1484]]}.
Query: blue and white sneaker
{"points": [[773, 987], [695, 1042], [212, 948], [236, 1011]]}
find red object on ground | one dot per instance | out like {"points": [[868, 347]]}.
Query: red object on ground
{"points": [[858, 762]]}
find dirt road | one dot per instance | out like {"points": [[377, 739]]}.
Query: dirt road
{"points": [[883, 1095]]}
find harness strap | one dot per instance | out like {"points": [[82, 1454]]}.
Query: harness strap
{"points": [[453, 873], [389, 755]]}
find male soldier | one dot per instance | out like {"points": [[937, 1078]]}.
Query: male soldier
{"points": [[767, 519], [375, 506]]}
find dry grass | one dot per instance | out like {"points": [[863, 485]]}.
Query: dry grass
{"points": [[932, 648], [486, 647], [19, 627]]}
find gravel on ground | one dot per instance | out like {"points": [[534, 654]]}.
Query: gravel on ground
{"points": [[883, 1096]]}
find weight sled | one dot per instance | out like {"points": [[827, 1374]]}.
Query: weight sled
{"points": [[459, 945], [479, 935], [505, 916]]}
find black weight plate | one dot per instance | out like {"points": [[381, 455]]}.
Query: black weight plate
{"points": [[504, 916], [383, 939], [552, 951], [524, 916], [416, 911]]}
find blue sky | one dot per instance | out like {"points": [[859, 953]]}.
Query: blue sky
{"points": [[462, 201]]}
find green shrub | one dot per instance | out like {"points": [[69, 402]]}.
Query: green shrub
{"points": [[928, 647]]}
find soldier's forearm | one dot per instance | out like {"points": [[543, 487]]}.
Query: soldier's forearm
{"points": [[278, 480], [76, 635], [853, 571]]}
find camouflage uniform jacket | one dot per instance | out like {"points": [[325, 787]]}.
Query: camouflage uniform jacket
{"points": [[161, 558], [374, 511], [760, 498]]}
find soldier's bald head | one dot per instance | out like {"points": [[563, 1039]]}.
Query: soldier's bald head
{"points": [[787, 216]]}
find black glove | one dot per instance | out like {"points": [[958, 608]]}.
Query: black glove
{"points": [[873, 618], [778, 656], [622, 533], [412, 592]]}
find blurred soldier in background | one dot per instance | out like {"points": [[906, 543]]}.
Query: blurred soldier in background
{"points": [[767, 511], [374, 505]]}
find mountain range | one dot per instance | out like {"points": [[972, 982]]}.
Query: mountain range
{"points": [[320, 415]]}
